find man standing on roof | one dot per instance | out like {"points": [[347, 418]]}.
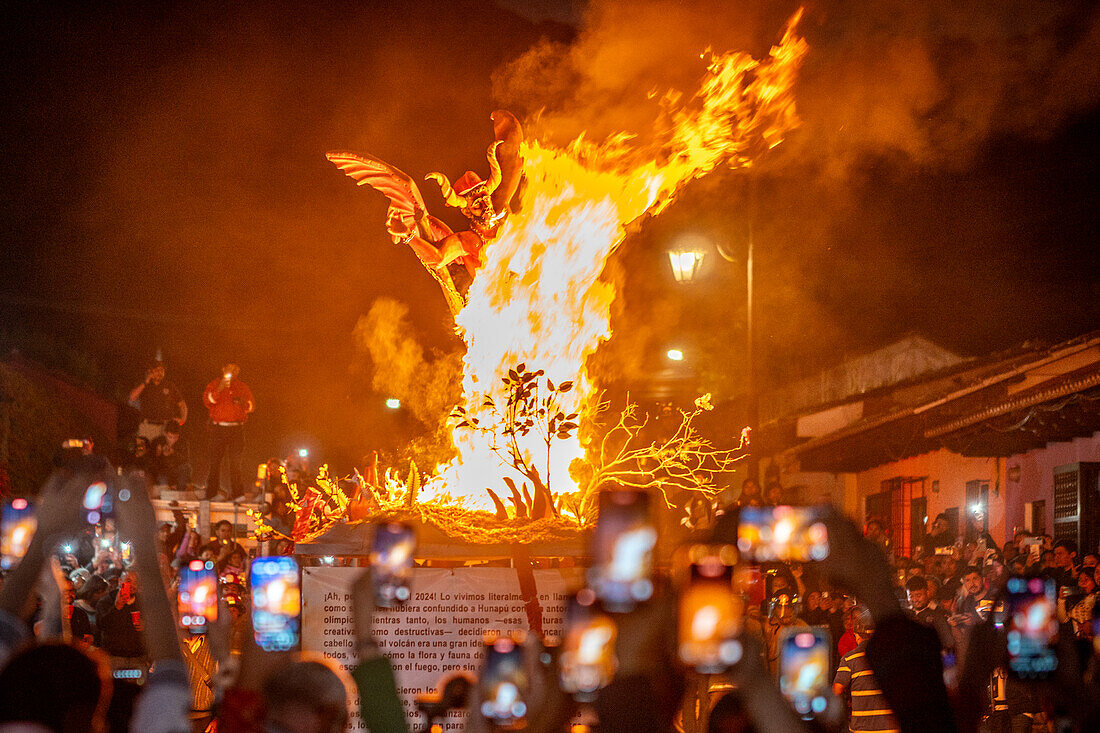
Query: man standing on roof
{"points": [[159, 402], [229, 402]]}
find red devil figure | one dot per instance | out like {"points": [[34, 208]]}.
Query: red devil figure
{"points": [[450, 257]]}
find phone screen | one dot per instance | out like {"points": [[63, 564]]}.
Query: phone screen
{"points": [[504, 684], [782, 533], [391, 561], [804, 668], [711, 616], [276, 602], [1031, 626], [197, 598], [748, 580], [587, 661], [99, 503], [17, 525], [623, 543]]}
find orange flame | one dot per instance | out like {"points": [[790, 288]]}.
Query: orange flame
{"points": [[539, 300]]}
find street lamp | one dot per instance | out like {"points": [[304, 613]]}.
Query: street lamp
{"points": [[675, 355], [686, 256], [393, 403]]}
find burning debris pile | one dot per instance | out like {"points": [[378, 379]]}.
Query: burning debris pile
{"points": [[524, 284]]}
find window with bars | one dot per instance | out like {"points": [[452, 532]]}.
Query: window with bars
{"points": [[901, 505]]}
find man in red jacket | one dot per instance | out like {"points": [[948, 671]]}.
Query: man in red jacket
{"points": [[229, 402]]}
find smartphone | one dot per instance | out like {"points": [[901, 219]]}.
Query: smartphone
{"points": [[782, 533], [622, 549], [586, 660], [711, 617], [804, 666], [391, 562], [749, 582], [504, 684], [197, 598], [276, 602], [1031, 626], [99, 503], [17, 525], [126, 590]]}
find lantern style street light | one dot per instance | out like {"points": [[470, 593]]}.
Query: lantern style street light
{"points": [[685, 255], [685, 263], [393, 403]]}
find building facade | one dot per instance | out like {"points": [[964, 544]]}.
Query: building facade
{"points": [[1009, 441]]}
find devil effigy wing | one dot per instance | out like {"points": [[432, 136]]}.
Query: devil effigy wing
{"points": [[398, 187], [405, 218]]}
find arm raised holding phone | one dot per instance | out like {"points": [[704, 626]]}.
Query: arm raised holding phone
{"points": [[165, 701]]}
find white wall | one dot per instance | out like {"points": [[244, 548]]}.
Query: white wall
{"points": [[952, 471], [1036, 480]]}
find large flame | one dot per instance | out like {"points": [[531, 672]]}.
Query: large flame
{"points": [[539, 300]]}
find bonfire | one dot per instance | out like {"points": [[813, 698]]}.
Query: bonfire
{"points": [[524, 285]]}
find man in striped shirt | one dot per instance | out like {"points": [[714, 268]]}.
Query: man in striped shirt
{"points": [[870, 711]]}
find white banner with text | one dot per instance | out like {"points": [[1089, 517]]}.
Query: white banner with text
{"points": [[436, 633]]}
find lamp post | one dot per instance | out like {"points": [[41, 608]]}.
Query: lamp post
{"points": [[685, 257]]}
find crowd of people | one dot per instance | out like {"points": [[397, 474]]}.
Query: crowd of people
{"points": [[91, 640]]}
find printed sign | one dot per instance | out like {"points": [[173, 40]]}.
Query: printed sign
{"points": [[437, 633]]}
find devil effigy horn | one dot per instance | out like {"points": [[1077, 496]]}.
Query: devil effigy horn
{"points": [[495, 176], [449, 195]]}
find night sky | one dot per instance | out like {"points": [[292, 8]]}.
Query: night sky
{"points": [[166, 186]]}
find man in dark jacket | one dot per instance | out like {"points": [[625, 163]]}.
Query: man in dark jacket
{"points": [[119, 620], [920, 601]]}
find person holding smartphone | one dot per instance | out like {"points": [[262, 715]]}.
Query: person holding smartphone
{"points": [[159, 402], [118, 617], [229, 402]]}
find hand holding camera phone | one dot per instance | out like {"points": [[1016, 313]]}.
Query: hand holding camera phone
{"points": [[1031, 627], [276, 602], [17, 526], [197, 597], [782, 533], [623, 544], [391, 562], [804, 666], [587, 662], [504, 683], [711, 615]]}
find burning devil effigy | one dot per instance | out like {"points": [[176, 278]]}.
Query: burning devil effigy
{"points": [[533, 439]]}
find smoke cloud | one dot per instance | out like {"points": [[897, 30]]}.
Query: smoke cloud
{"points": [[868, 214], [428, 382], [930, 81]]}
